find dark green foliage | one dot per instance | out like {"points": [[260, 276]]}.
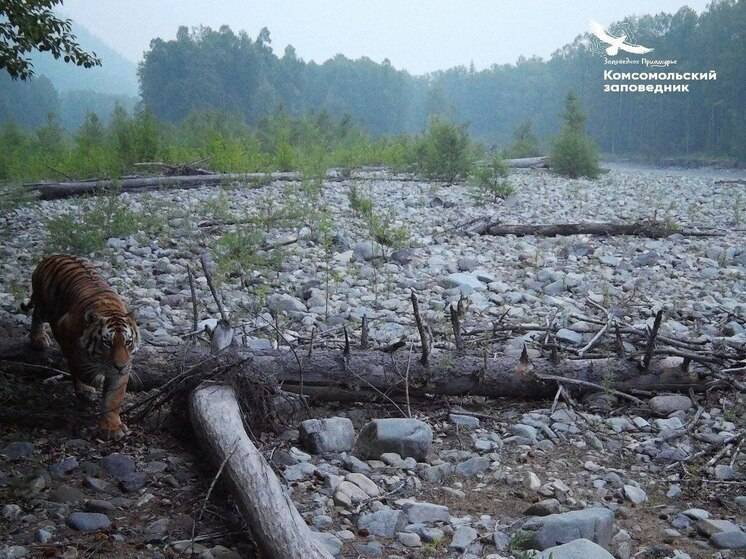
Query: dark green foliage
{"points": [[489, 181], [85, 230], [443, 151], [27, 103], [219, 69], [239, 251], [219, 141], [525, 143], [384, 231], [229, 71], [360, 204], [31, 25], [573, 152], [286, 113]]}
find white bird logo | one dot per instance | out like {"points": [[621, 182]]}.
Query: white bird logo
{"points": [[616, 43]]}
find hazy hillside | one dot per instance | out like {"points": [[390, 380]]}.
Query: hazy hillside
{"points": [[117, 75]]}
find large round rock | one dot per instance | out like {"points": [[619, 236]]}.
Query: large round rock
{"points": [[595, 524], [666, 404], [407, 437], [576, 549], [333, 434]]}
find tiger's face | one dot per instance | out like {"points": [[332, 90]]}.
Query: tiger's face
{"points": [[110, 341]]}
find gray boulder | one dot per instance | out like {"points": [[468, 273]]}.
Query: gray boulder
{"points": [[88, 521], [463, 536], [666, 404], [117, 465], [735, 539], [406, 437], [468, 421], [282, 302], [436, 474], [473, 466], [465, 281], [420, 512], [467, 263], [368, 250], [594, 524], [330, 542], [576, 549], [332, 434], [384, 523], [17, 450], [569, 336]]}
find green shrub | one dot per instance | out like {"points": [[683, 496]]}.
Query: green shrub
{"points": [[13, 196], [443, 152], [85, 230], [361, 205], [240, 252], [573, 153], [223, 143], [285, 157], [525, 143], [489, 181], [383, 230]]}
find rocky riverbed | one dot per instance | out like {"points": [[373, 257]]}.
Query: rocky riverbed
{"points": [[635, 481]]}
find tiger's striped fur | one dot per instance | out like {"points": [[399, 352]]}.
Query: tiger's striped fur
{"points": [[91, 323]]}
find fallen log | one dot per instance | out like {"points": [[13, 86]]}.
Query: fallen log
{"points": [[365, 374], [275, 523], [176, 170], [57, 190], [653, 230], [528, 162], [69, 189]]}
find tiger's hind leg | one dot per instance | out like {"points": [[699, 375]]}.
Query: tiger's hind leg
{"points": [[39, 337]]}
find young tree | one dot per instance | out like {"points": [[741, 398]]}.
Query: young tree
{"points": [[573, 153], [489, 181], [525, 143], [91, 133], [444, 151], [28, 25], [51, 136], [120, 134]]}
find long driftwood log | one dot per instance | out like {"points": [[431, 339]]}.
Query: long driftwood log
{"points": [[654, 230], [68, 189], [275, 523], [528, 162], [57, 190], [362, 374]]}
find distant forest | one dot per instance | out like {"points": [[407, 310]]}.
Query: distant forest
{"points": [[206, 69]]}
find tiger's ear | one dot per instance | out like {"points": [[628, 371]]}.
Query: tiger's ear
{"points": [[90, 316]]}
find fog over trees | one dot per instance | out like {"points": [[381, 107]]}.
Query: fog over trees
{"points": [[227, 70]]}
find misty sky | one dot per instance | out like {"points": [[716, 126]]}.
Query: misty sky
{"points": [[417, 35]]}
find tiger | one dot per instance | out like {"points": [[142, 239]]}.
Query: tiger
{"points": [[93, 327]]}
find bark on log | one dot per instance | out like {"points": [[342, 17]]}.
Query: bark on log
{"points": [[57, 190], [330, 375], [641, 229], [528, 162], [176, 170], [276, 525]]}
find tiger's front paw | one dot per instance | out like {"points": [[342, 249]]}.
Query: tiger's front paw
{"points": [[85, 393], [113, 431]]}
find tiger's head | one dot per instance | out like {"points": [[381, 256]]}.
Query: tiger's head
{"points": [[110, 339]]}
